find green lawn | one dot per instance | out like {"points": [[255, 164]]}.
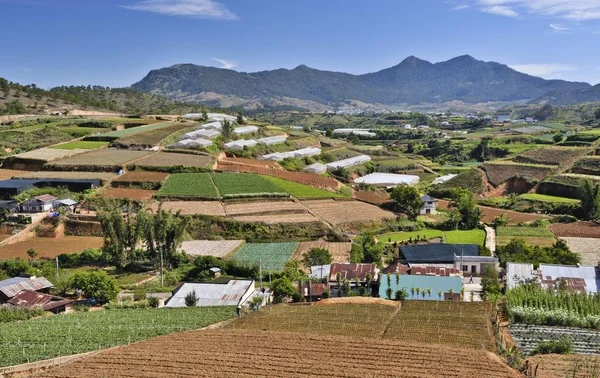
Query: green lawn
{"points": [[545, 198], [517, 231], [301, 191], [451, 237], [84, 145]]}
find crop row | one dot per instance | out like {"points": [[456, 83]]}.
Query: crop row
{"points": [[527, 337], [270, 256]]}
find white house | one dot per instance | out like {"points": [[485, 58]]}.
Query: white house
{"points": [[245, 130], [429, 205], [39, 204], [238, 145], [475, 265]]}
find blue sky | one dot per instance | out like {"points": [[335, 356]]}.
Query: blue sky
{"points": [[116, 42]]}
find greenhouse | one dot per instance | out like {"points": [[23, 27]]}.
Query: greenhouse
{"points": [[316, 168], [305, 152], [268, 141], [443, 179], [347, 163], [238, 145], [349, 131], [205, 134], [188, 143], [387, 179], [212, 125], [245, 130]]}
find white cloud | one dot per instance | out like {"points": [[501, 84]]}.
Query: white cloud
{"points": [[227, 64], [190, 8], [549, 70], [559, 27], [579, 10], [460, 7], [501, 10]]}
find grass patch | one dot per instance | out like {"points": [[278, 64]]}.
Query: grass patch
{"points": [[520, 231], [546, 198], [272, 256], [451, 237], [81, 145], [404, 236], [476, 236]]}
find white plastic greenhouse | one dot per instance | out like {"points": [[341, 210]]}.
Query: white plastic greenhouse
{"points": [[238, 145], [346, 163], [205, 134], [443, 179], [212, 125], [245, 130], [387, 179], [316, 168], [305, 152], [268, 141], [188, 143]]}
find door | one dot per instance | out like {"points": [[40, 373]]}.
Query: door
{"points": [[473, 269]]}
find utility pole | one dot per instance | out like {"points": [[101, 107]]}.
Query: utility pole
{"points": [[162, 276], [57, 268], [260, 272]]}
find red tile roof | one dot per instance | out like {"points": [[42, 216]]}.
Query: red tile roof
{"points": [[45, 198]]}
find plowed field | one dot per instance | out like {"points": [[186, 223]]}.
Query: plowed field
{"points": [[277, 218], [214, 208], [139, 176], [576, 230], [6, 174], [375, 198], [264, 354], [124, 193], [169, 159], [340, 252], [263, 208], [573, 365], [215, 248], [49, 247], [489, 213], [347, 212], [250, 162]]}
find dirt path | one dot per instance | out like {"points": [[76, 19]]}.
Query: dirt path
{"points": [[490, 239], [24, 234]]}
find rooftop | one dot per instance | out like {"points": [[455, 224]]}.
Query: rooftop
{"points": [[14, 286], [47, 302], [578, 278], [230, 294], [387, 179], [437, 252]]}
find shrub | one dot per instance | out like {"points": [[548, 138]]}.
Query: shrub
{"points": [[191, 299], [153, 302], [564, 345], [97, 285]]}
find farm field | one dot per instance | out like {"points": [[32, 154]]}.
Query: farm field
{"points": [[239, 184], [540, 236], [113, 135], [54, 336], [465, 237], [224, 353], [587, 248], [6, 174], [48, 154], [214, 208], [551, 155], [100, 158], [170, 159], [80, 145], [250, 162], [153, 137], [301, 191], [527, 337], [216, 248], [576, 230], [590, 165], [340, 252], [501, 171], [489, 213], [545, 198], [571, 365], [347, 212], [272, 256], [196, 185], [450, 237], [263, 208], [103, 176], [127, 193], [374, 198], [142, 177], [458, 324], [49, 247], [277, 218]]}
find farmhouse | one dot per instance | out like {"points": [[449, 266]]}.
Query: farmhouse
{"points": [[429, 205], [38, 204], [347, 163], [245, 130], [238, 145], [29, 298], [13, 286], [439, 253], [475, 265], [576, 278], [316, 168], [233, 293], [387, 179], [430, 288], [269, 141]]}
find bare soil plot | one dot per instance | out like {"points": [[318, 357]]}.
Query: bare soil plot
{"points": [[221, 353], [263, 208], [103, 176], [576, 230], [501, 171], [6, 174], [250, 162], [49, 154], [50, 247], [151, 137], [347, 212], [277, 218], [489, 213], [140, 176], [340, 252], [571, 365], [170, 159], [215, 248], [374, 198], [587, 248], [141, 195], [551, 155], [213, 208], [531, 240], [109, 158]]}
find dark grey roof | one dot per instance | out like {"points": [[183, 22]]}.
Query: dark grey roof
{"points": [[427, 198], [438, 252], [476, 259]]}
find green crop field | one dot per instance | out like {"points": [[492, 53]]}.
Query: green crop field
{"points": [[189, 185], [450, 237], [271, 256], [128, 132], [62, 335], [301, 191], [545, 198], [83, 145], [517, 231], [240, 184]]}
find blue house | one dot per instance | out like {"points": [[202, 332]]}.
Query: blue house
{"points": [[432, 286]]}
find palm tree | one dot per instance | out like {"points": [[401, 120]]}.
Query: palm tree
{"points": [[412, 292], [418, 290], [429, 292], [440, 294], [32, 254]]}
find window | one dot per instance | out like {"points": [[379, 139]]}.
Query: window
{"points": [[465, 268]]}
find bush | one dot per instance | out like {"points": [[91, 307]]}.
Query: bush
{"points": [[11, 314], [564, 345], [97, 285], [191, 299], [153, 302]]}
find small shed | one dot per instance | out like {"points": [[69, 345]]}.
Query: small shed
{"points": [[518, 273], [245, 130], [67, 203], [232, 293], [13, 286], [215, 272], [29, 298], [316, 168], [238, 145], [429, 205]]}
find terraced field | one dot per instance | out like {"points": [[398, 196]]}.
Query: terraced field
{"points": [[108, 159], [502, 171], [195, 185], [551, 155], [171, 159], [340, 252], [152, 137], [80, 145], [237, 184], [49, 248], [216, 248], [214, 208], [103, 176], [113, 135], [589, 165], [540, 236], [347, 212], [272, 256], [572, 365], [142, 195]]}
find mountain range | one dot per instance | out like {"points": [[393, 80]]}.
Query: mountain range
{"points": [[412, 82]]}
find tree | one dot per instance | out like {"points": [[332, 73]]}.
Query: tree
{"points": [[440, 295], [596, 114], [329, 133], [4, 86], [96, 284], [204, 115], [240, 119], [490, 282], [401, 294], [121, 234], [408, 199], [32, 254], [470, 214], [282, 288], [227, 129], [590, 199], [557, 138], [316, 256], [191, 299]]}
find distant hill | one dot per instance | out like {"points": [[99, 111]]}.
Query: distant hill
{"points": [[577, 96], [414, 81]]}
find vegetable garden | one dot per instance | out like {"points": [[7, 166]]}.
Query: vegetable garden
{"points": [[271, 256]]}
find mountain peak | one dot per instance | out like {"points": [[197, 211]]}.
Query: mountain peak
{"points": [[413, 60]]}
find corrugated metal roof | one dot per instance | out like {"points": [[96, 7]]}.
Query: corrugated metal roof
{"points": [[437, 253], [352, 271], [15, 288], [45, 198], [517, 273], [28, 298], [229, 294], [476, 259], [67, 202], [320, 271], [550, 274]]}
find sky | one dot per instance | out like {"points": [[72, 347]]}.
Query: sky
{"points": [[117, 42]]}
